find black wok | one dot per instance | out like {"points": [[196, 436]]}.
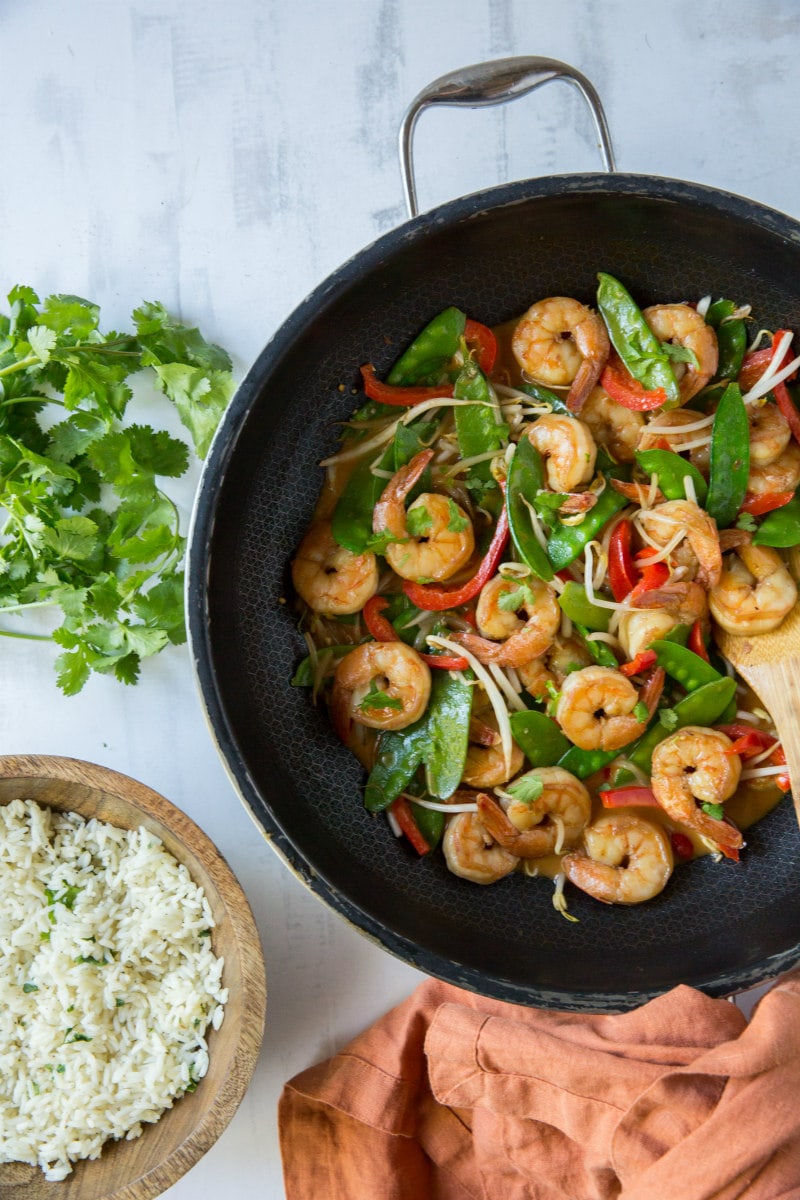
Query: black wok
{"points": [[720, 927]]}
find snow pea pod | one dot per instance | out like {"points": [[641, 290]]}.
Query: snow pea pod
{"points": [[448, 732], [479, 426], [672, 470], [682, 664], [731, 338], [575, 604], [730, 458], [582, 763], [566, 542], [431, 350], [538, 737], [601, 652], [400, 753], [525, 479], [429, 822], [701, 707], [780, 528], [351, 523], [634, 340]]}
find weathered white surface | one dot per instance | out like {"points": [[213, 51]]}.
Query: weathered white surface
{"points": [[224, 158]]}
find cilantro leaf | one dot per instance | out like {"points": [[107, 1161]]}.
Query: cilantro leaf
{"points": [[515, 599], [747, 522], [641, 711], [714, 810], [668, 718], [419, 521], [200, 397], [375, 699], [456, 521], [526, 789]]}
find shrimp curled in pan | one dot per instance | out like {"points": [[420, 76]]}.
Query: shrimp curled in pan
{"points": [[596, 707], [384, 685], [332, 580], [472, 853], [551, 822], [627, 860], [755, 591], [698, 551], [568, 449], [562, 343], [522, 640], [446, 540], [691, 767]]}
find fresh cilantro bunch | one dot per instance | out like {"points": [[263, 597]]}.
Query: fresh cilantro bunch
{"points": [[87, 528]]}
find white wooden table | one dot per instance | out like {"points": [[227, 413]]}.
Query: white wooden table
{"points": [[224, 158]]}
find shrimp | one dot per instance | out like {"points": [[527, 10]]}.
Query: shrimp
{"points": [[694, 765], [659, 611], [445, 541], [332, 580], [384, 685], [770, 434], [755, 591], [521, 640], [702, 557], [560, 342], [613, 425], [485, 764], [628, 860], [471, 853], [595, 708], [781, 475], [564, 656], [683, 326], [568, 448], [553, 821]]}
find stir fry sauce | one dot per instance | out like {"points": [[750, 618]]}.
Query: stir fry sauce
{"points": [[512, 578]]}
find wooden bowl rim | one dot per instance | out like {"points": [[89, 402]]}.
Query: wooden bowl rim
{"points": [[254, 989]]}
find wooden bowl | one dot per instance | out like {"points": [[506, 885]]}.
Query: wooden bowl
{"points": [[148, 1165]]}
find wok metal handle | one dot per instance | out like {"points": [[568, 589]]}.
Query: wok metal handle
{"points": [[494, 83]]}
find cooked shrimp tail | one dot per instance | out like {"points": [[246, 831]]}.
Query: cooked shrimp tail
{"points": [[627, 860]]}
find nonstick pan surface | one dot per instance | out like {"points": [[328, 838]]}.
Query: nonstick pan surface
{"points": [[721, 927]]}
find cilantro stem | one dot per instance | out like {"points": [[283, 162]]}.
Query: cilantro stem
{"points": [[31, 637], [21, 364]]}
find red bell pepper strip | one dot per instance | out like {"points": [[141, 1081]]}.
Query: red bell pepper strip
{"points": [[643, 661], [787, 407], [778, 759], [748, 742], [627, 391], [756, 363], [757, 506], [681, 846], [380, 628], [433, 598], [383, 631], [484, 342], [653, 576], [402, 813], [625, 797], [696, 643], [622, 574], [403, 397]]}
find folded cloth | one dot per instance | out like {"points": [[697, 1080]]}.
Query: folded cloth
{"points": [[451, 1096]]}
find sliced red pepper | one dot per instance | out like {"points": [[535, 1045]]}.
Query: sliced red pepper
{"points": [[748, 741], [403, 397], [654, 575], [622, 574], [748, 745], [681, 846], [756, 363], [625, 797], [433, 598], [778, 759], [696, 642], [402, 814], [380, 628], [787, 407], [643, 661], [627, 391], [758, 505], [484, 342], [737, 729], [383, 631]]}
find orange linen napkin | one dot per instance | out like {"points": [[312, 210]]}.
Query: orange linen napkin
{"points": [[451, 1096]]}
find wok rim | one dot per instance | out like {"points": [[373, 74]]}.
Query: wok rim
{"points": [[199, 554]]}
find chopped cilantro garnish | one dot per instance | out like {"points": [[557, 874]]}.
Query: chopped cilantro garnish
{"points": [[526, 789], [714, 810], [515, 599], [29, 987], [456, 522], [641, 711], [668, 718], [375, 699], [747, 522], [419, 521]]}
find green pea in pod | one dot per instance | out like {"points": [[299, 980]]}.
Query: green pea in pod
{"points": [[431, 350], [633, 339], [525, 479]]}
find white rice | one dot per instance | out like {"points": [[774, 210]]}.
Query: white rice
{"points": [[91, 1049]]}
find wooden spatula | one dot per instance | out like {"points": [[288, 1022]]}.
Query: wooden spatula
{"points": [[770, 663]]}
